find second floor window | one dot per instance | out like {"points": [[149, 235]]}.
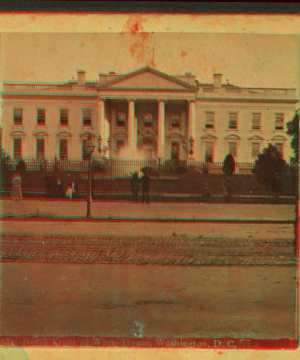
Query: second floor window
{"points": [[18, 116], [233, 121], [17, 148], [175, 120], [256, 119], [210, 120], [121, 119], [64, 117], [41, 116], [87, 117], [279, 122]]}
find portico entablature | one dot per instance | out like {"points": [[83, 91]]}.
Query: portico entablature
{"points": [[146, 94]]}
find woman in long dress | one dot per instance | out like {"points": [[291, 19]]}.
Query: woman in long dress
{"points": [[16, 187]]}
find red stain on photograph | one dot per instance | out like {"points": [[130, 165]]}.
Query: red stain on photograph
{"points": [[149, 193]]}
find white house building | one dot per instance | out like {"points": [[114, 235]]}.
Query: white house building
{"points": [[145, 114]]}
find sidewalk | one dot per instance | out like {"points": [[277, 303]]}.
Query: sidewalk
{"points": [[128, 211]]}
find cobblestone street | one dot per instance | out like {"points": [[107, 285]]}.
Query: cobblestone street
{"points": [[175, 250]]}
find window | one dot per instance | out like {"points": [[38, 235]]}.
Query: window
{"points": [[18, 116], [120, 143], [87, 117], [41, 116], [17, 148], [233, 119], [175, 120], [279, 122], [209, 120], [148, 120], [40, 148], [256, 117], [209, 151], [279, 148], [63, 148], [121, 119], [255, 150], [64, 117], [232, 148]]}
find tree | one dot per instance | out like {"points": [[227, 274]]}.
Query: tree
{"points": [[293, 131], [228, 169], [228, 165], [270, 168]]}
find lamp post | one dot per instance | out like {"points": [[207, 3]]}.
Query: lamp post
{"points": [[89, 148]]}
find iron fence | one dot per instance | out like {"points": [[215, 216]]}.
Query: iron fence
{"points": [[125, 167]]}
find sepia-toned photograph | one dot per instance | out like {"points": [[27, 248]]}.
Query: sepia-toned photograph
{"points": [[149, 186]]}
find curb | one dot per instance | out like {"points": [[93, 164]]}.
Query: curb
{"points": [[34, 217]]}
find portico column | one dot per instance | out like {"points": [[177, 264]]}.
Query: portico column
{"points": [[191, 125], [101, 114], [132, 129], [161, 129]]}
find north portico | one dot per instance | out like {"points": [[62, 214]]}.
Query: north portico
{"points": [[145, 114]]}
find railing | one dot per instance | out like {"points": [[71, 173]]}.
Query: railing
{"points": [[206, 91], [48, 88]]}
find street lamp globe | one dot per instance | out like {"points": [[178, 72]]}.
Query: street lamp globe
{"points": [[89, 146]]}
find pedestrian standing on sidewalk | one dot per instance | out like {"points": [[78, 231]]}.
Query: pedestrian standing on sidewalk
{"points": [[16, 187], [135, 186], [145, 181], [71, 190]]}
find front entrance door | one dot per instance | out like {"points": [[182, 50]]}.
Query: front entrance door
{"points": [[148, 153], [175, 150]]}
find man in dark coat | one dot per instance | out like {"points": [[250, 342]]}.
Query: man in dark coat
{"points": [[135, 186], [145, 181]]}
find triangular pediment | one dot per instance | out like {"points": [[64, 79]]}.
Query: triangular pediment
{"points": [[255, 138], [209, 137], [278, 138], [40, 132], [232, 137], [148, 78]]}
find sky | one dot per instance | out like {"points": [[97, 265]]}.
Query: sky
{"points": [[250, 60]]}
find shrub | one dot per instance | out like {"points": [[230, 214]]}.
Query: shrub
{"points": [[269, 168]]}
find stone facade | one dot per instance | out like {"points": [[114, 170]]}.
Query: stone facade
{"points": [[145, 114]]}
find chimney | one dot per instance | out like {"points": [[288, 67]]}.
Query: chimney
{"points": [[81, 76], [112, 73], [217, 80]]}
